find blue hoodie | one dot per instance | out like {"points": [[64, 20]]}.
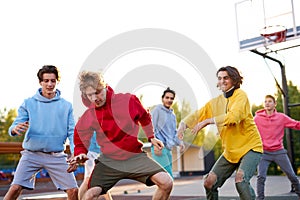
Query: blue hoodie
{"points": [[94, 147], [164, 124], [51, 122]]}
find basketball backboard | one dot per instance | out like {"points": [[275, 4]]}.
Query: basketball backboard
{"points": [[252, 16]]}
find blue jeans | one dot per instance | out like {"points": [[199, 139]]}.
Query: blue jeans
{"points": [[165, 159], [280, 158], [223, 169]]}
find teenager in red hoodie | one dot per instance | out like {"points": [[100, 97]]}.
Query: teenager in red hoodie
{"points": [[116, 118], [271, 124]]}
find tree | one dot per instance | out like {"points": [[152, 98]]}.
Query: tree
{"points": [[179, 113], [206, 138], [6, 119], [183, 112], [294, 98]]}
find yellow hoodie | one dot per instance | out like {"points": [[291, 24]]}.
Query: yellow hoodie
{"points": [[235, 124]]}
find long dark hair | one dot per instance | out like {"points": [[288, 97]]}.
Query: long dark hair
{"points": [[234, 74]]}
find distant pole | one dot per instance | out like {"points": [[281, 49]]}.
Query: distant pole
{"points": [[289, 136], [286, 110]]}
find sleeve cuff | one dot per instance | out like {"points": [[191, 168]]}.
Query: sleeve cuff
{"points": [[149, 138]]}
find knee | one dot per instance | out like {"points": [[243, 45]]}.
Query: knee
{"points": [[92, 193], [239, 176], [210, 180], [166, 182], [15, 189], [13, 192], [73, 192], [88, 195]]}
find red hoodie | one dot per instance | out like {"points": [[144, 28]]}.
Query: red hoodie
{"points": [[117, 125]]}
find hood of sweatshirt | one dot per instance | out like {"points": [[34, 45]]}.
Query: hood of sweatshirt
{"points": [[263, 113], [39, 97]]}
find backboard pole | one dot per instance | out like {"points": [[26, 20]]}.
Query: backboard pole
{"points": [[289, 136], [294, 19]]}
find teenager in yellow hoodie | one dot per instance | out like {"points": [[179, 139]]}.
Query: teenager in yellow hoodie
{"points": [[241, 142]]}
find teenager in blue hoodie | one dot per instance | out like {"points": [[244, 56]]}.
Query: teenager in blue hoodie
{"points": [[47, 121], [164, 124]]}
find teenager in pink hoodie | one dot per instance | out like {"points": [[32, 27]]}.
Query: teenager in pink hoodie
{"points": [[271, 124]]}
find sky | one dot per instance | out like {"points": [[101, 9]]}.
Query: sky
{"points": [[141, 47]]}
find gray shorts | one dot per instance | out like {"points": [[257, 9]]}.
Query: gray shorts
{"points": [[55, 164], [108, 172]]}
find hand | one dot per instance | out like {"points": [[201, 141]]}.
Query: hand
{"points": [[20, 128], [73, 162], [157, 151], [182, 147], [81, 158], [72, 167], [157, 144], [180, 131]]}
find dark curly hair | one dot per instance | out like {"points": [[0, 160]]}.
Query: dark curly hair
{"points": [[48, 69]]}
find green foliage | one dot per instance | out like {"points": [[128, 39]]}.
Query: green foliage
{"points": [[142, 136], [197, 139], [180, 114], [294, 98], [256, 108], [177, 112], [185, 110], [6, 119], [212, 141], [206, 138], [9, 161]]}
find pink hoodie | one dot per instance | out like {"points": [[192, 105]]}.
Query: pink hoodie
{"points": [[271, 128]]}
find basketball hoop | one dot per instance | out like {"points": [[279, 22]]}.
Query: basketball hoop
{"points": [[274, 34]]}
